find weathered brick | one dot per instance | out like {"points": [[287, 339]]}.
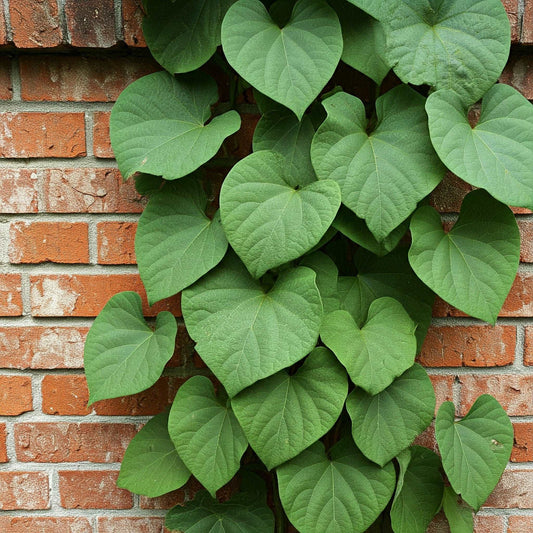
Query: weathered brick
{"points": [[85, 295], [28, 135], [42, 347], [519, 74], [443, 386], [527, 23], [523, 442], [449, 194], [167, 501], [65, 395], [24, 490], [15, 395], [6, 85], [3, 448], [92, 490], [3, 29], [528, 346], [91, 23], [132, 16], [520, 524], [489, 524], [35, 23], [526, 240], [18, 191], [116, 243], [56, 242], [60, 442], [514, 491], [131, 524], [478, 346], [427, 439], [101, 142], [44, 524], [511, 6], [10, 295], [67, 78]]}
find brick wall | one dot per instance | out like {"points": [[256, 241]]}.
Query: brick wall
{"points": [[67, 226]]}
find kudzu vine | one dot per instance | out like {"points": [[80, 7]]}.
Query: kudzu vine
{"points": [[308, 277]]}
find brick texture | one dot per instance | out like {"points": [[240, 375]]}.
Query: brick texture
{"points": [[35, 23], [10, 295], [523, 442], [514, 491], [6, 84], [91, 23], [24, 490], [121, 524], [527, 28], [116, 243], [44, 524], [3, 28], [15, 395], [3, 448], [520, 524], [18, 191], [101, 142], [132, 14], [519, 74]]}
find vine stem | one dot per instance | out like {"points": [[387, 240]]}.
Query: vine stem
{"points": [[279, 513]]}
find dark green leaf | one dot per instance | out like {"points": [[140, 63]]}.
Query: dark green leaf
{"points": [[459, 514]]}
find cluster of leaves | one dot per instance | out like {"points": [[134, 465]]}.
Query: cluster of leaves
{"points": [[309, 291]]}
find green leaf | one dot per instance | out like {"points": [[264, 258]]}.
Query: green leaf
{"points": [[151, 465], [377, 353], [385, 424], [497, 154], [146, 184], [206, 433], [355, 298], [284, 414], [159, 125], [474, 450], [419, 492], [270, 216], [176, 243], [245, 512], [183, 35], [384, 174], [344, 493], [246, 333], [474, 265], [123, 355], [326, 279], [461, 45], [292, 64], [459, 514], [378, 10]]}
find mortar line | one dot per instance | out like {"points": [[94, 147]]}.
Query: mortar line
{"points": [[15, 80], [7, 17]]}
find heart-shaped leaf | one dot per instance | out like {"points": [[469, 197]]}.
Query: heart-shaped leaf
{"points": [[183, 35], [206, 433], [326, 279], [176, 243], [246, 333], [291, 64], [461, 45], [123, 355], [459, 514], [378, 10], [284, 414], [419, 491], [268, 218], [474, 450], [497, 154], [159, 125], [377, 353], [474, 265], [151, 464], [384, 174], [344, 493], [385, 424]]}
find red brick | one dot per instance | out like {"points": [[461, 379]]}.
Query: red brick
{"points": [[523, 442], [120, 524], [18, 191], [42, 347], [67, 78], [15, 395], [519, 74], [56, 242], [515, 393], [167, 501], [35, 23], [526, 237], [89, 190], [3, 29], [24, 490], [3, 448], [60, 442], [427, 439], [85, 295], [91, 23], [443, 386], [10, 295], [478, 346], [26, 135], [520, 524], [511, 6], [92, 490], [514, 491], [101, 142], [132, 16], [527, 23], [489, 524], [528, 346], [6, 85], [449, 194], [44, 524], [65, 395], [116, 243]]}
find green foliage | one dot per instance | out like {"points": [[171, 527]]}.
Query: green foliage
{"points": [[331, 241]]}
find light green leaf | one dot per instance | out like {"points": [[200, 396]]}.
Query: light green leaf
{"points": [[461, 45], [206, 433], [459, 514], [326, 279], [385, 424], [123, 355], [497, 154], [246, 333], [292, 64], [378, 10], [272, 217], [474, 450], [355, 298], [377, 353], [419, 491], [176, 243], [344, 493], [284, 414], [474, 265], [151, 464], [384, 174], [183, 35], [159, 125]]}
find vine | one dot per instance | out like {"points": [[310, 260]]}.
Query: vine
{"points": [[309, 291]]}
